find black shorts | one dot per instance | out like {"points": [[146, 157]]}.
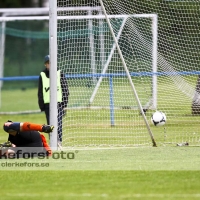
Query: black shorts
{"points": [[28, 144], [26, 139]]}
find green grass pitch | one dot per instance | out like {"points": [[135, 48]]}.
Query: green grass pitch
{"points": [[100, 185], [121, 173]]}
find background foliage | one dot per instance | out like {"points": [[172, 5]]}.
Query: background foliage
{"points": [[20, 3], [26, 48]]}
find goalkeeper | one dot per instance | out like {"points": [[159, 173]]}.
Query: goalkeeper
{"points": [[25, 139]]}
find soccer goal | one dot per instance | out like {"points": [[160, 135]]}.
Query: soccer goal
{"points": [[120, 71]]}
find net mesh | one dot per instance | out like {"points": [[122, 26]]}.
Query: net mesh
{"points": [[102, 110]]}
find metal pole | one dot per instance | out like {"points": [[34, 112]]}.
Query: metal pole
{"points": [[154, 60], [2, 50], [128, 75], [92, 49], [53, 71], [112, 120]]}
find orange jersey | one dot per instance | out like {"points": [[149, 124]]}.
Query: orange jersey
{"points": [[45, 144]]}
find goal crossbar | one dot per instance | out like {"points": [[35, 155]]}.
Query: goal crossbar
{"points": [[76, 17]]}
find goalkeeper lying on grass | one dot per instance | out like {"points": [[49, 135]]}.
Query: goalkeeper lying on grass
{"points": [[25, 140]]}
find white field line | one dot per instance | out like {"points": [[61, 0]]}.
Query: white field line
{"points": [[99, 148], [104, 195]]}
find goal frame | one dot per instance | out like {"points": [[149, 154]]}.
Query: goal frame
{"points": [[53, 48], [53, 55]]}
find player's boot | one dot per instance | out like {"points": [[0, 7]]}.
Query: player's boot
{"points": [[47, 128]]}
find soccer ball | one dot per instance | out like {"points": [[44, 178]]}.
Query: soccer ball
{"points": [[158, 118]]}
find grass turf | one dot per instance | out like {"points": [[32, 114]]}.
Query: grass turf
{"points": [[100, 185], [129, 173]]}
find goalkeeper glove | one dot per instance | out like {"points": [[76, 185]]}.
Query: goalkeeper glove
{"points": [[5, 145]]}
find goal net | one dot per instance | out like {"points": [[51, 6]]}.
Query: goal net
{"points": [[95, 46]]}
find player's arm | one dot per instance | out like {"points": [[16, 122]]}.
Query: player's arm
{"points": [[14, 127]]}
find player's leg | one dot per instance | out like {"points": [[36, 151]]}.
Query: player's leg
{"points": [[27, 126], [13, 127], [60, 117], [47, 114], [46, 110]]}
